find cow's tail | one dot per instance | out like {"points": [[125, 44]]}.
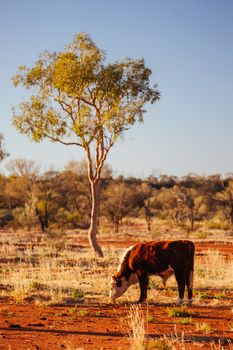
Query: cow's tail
{"points": [[190, 270]]}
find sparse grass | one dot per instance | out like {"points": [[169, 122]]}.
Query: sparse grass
{"points": [[83, 313], [186, 320], [5, 312], [77, 294], [73, 310], [178, 312], [219, 346], [54, 273], [160, 344], [212, 269], [172, 342], [202, 234], [56, 296], [219, 296], [19, 293], [202, 295], [78, 312], [137, 322], [151, 319], [203, 327], [57, 277]]}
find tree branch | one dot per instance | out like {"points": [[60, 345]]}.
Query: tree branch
{"points": [[55, 139]]}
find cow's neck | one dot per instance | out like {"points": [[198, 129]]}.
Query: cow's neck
{"points": [[124, 270]]}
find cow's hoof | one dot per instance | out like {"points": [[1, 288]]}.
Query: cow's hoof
{"points": [[179, 302]]}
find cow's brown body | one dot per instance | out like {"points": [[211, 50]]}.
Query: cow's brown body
{"points": [[157, 258]]}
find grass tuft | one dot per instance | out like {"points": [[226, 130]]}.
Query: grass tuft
{"points": [[178, 312], [136, 325], [203, 328]]}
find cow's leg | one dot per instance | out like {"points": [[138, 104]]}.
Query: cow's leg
{"points": [[180, 279], [143, 283], [189, 284]]}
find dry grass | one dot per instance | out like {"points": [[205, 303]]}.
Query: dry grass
{"points": [[214, 271], [136, 326], [53, 272], [57, 273], [54, 276]]}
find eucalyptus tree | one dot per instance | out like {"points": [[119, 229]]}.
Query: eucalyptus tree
{"points": [[224, 198], [80, 100]]}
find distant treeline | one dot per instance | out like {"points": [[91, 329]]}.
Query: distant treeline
{"points": [[62, 199]]}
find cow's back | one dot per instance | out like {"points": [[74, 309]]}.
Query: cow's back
{"points": [[155, 257]]}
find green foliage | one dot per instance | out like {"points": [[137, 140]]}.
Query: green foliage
{"points": [[203, 327], [178, 312], [219, 296], [83, 313], [57, 201], [77, 294], [77, 312], [92, 101], [151, 319], [203, 295], [186, 320]]}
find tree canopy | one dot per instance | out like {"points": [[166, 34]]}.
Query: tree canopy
{"points": [[79, 100]]}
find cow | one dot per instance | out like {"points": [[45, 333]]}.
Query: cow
{"points": [[162, 258]]}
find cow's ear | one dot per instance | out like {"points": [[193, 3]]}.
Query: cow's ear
{"points": [[118, 282]]}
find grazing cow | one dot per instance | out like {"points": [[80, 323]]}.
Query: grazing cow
{"points": [[163, 258]]}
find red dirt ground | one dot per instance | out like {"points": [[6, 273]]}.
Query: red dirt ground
{"points": [[98, 326]]}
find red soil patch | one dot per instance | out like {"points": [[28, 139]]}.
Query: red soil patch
{"points": [[97, 326]]}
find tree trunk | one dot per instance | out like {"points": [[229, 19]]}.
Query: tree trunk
{"points": [[117, 223], [231, 214], [93, 230], [41, 221], [147, 212], [46, 215]]}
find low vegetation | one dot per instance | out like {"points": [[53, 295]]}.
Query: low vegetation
{"points": [[56, 201], [178, 312], [63, 272]]}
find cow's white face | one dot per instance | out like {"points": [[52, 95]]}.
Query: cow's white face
{"points": [[119, 285]]}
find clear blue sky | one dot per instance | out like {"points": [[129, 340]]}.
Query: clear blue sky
{"points": [[188, 44]]}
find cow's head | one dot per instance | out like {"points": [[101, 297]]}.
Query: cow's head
{"points": [[119, 285]]}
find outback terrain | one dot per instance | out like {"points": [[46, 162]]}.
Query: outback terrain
{"points": [[54, 295]]}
